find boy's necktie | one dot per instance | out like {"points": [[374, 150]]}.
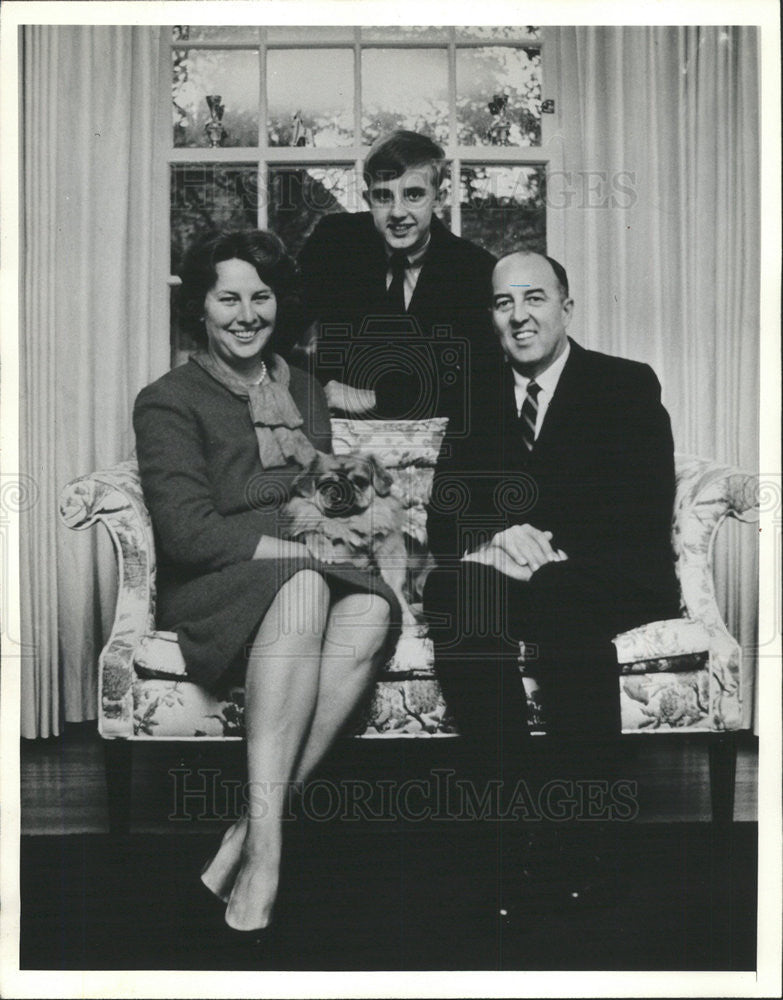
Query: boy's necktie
{"points": [[395, 293]]}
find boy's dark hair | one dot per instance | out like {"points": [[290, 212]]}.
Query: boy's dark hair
{"points": [[263, 251], [393, 154]]}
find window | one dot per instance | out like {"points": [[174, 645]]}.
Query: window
{"points": [[271, 124]]}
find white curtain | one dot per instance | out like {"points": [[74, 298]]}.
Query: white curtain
{"points": [[662, 238], [93, 331]]}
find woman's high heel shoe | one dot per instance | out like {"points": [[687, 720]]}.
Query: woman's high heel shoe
{"points": [[258, 935], [208, 896], [249, 948]]}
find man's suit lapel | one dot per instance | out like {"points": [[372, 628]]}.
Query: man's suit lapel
{"points": [[514, 455], [370, 262], [559, 417]]}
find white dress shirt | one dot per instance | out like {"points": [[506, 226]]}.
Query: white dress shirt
{"points": [[547, 380], [412, 271]]}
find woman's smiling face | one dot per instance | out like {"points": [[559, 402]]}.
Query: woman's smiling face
{"points": [[239, 314]]}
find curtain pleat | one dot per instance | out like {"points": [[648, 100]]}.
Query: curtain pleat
{"points": [[673, 278], [93, 335], [40, 709]]}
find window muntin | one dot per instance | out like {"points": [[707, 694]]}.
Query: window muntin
{"points": [[350, 84], [315, 86], [405, 88], [230, 74], [499, 96], [210, 196], [503, 207], [300, 196], [439, 80]]}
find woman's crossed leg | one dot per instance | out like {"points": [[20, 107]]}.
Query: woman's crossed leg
{"points": [[308, 667]]}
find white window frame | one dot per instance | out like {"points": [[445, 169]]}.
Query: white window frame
{"points": [[263, 156]]}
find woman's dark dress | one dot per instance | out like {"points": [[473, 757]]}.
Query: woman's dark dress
{"points": [[210, 502]]}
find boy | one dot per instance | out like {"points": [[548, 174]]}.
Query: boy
{"points": [[400, 304]]}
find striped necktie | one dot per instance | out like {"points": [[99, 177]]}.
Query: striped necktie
{"points": [[529, 413]]}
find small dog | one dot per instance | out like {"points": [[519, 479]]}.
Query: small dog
{"points": [[343, 509]]}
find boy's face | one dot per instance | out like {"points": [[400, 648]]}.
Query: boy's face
{"points": [[402, 208]]}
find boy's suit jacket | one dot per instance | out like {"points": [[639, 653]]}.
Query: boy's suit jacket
{"points": [[344, 267]]}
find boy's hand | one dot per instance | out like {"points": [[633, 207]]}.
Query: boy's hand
{"points": [[355, 402]]}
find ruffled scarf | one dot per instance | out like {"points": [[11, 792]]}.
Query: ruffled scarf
{"points": [[276, 418]]}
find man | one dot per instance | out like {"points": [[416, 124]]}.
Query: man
{"points": [[397, 299], [560, 532], [550, 522]]}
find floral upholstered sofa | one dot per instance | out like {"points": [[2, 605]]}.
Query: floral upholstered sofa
{"points": [[678, 675]]}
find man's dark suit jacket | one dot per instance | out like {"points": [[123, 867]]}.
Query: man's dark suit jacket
{"points": [[600, 477], [344, 267]]}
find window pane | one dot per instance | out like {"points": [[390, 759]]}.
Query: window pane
{"points": [[231, 74], [499, 96], [316, 85], [499, 32], [314, 33], [206, 197], [298, 197], [214, 33], [400, 33], [503, 208], [404, 88]]}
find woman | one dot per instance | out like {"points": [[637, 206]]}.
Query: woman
{"points": [[219, 441]]}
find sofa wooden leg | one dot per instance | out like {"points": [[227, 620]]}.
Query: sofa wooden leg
{"points": [[723, 772], [118, 759]]}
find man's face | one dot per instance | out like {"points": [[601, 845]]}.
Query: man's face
{"points": [[402, 208], [528, 313]]}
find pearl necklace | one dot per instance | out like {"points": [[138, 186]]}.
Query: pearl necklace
{"points": [[261, 377]]}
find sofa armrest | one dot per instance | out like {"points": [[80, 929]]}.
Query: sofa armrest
{"points": [[706, 495], [114, 498]]}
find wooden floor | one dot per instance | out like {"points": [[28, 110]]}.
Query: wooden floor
{"points": [[388, 891], [397, 897], [63, 787]]}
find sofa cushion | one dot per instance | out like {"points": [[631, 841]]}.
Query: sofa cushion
{"points": [[414, 706], [651, 702], [158, 655], [178, 709], [673, 637], [659, 647]]}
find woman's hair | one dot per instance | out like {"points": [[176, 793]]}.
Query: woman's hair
{"points": [[263, 251]]}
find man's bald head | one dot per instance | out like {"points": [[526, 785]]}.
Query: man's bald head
{"points": [[557, 268]]}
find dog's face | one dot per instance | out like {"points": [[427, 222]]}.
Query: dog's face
{"points": [[343, 485]]}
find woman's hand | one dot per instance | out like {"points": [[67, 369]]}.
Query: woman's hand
{"points": [[270, 547]]}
